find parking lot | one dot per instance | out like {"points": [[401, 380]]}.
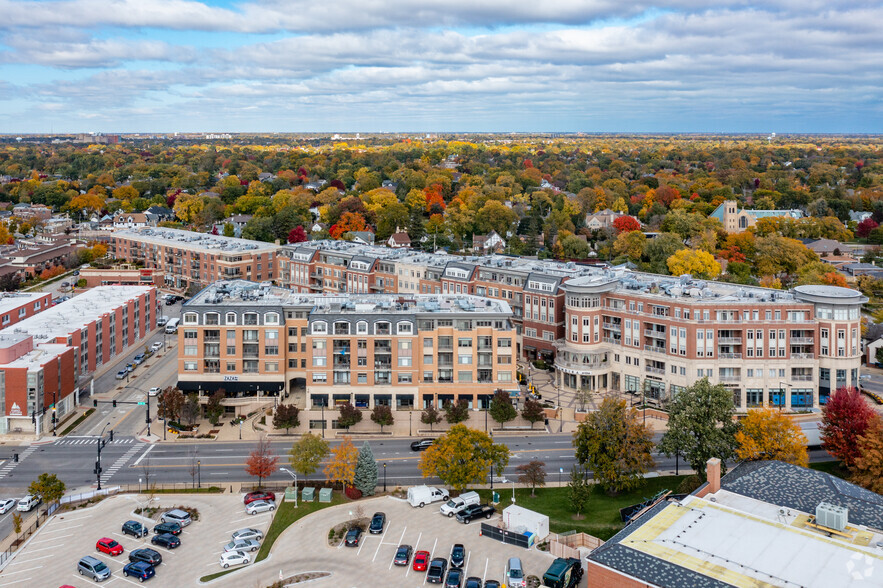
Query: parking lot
{"points": [[304, 547], [50, 559]]}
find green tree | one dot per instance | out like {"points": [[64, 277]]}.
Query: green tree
{"points": [[382, 415], [229, 230], [533, 412], [579, 491], [463, 456], [430, 416], [501, 408], [286, 417], [49, 487], [615, 446], [457, 412], [306, 454], [878, 355], [366, 471], [260, 228], [659, 249], [349, 415], [701, 425]]}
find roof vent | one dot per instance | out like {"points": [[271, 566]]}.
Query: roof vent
{"points": [[832, 516]]}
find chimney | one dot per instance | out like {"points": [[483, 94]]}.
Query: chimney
{"points": [[713, 474]]}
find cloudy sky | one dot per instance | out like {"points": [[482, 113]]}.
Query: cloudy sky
{"points": [[441, 65]]}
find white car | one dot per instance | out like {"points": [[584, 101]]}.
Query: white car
{"points": [[233, 558], [243, 534], [242, 545], [259, 506], [156, 346], [7, 504], [153, 391]]}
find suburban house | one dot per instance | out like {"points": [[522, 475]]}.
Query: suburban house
{"points": [[398, 240], [736, 220], [490, 243], [602, 219], [129, 220], [363, 237], [158, 214]]}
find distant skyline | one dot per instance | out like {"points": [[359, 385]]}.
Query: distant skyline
{"points": [[441, 66]]}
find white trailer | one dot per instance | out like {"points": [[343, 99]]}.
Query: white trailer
{"points": [[522, 520]]}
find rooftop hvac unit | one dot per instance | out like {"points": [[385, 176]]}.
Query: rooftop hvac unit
{"points": [[832, 516]]}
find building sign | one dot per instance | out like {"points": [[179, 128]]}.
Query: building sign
{"points": [[15, 410], [231, 378]]}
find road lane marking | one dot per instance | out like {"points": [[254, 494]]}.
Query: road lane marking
{"points": [[143, 455]]}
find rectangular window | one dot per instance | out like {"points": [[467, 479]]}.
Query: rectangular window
{"points": [[464, 377]]}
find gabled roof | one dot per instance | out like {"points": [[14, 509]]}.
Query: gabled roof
{"points": [[400, 238]]}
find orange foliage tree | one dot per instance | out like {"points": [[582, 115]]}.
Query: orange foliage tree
{"points": [[349, 221], [261, 462], [626, 224]]}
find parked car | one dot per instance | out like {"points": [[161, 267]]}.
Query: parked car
{"points": [[423, 495], [161, 321], [458, 503], [437, 569], [94, 568], [403, 555], [476, 511], [259, 506], [146, 554], [176, 515], [153, 391], [563, 573], [233, 558], [135, 529], [472, 582], [7, 504], [167, 528], [515, 573], [28, 503], [454, 579], [242, 545], [377, 522], [458, 555], [108, 546], [242, 534], [122, 374], [139, 569], [156, 346], [422, 444], [166, 540], [421, 561], [353, 537], [259, 495], [139, 359], [491, 584], [130, 367]]}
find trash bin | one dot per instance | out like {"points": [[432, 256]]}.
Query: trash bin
{"points": [[325, 495], [308, 494], [495, 498]]}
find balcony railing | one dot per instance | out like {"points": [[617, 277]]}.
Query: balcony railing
{"points": [[801, 378], [730, 340], [801, 356], [612, 340], [655, 349], [729, 355], [654, 370], [613, 326], [656, 334], [802, 340], [730, 378]]}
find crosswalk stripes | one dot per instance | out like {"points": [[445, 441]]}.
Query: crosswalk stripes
{"points": [[109, 472], [88, 440], [10, 464]]}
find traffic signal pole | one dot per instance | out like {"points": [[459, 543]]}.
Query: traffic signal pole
{"points": [[114, 403]]}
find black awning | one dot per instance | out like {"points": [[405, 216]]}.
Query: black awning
{"points": [[232, 387]]}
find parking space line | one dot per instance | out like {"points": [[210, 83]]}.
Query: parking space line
{"points": [[17, 582], [51, 539], [361, 545], [41, 549], [376, 551], [466, 565], [62, 529], [487, 561], [36, 558], [410, 564], [400, 542], [83, 579], [431, 555], [23, 571], [124, 579]]}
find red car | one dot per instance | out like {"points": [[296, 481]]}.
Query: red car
{"points": [[259, 495], [109, 546], [421, 560]]}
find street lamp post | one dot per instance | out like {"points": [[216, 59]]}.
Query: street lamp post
{"points": [[198, 473], [492, 475], [240, 429], [98, 461], [560, 416], [513, 491], [293, 475], [384, 476], [782, 391]]}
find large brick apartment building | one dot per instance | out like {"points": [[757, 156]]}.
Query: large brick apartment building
{"points": [[608, 328]]}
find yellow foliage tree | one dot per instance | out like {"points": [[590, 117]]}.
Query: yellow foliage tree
{"points": [[631, 244], [868, 469], [699, 264], [342, 465], [463, 456], [378, 199], [188, 207], [768, 434], [85, 203], [619, 205]]}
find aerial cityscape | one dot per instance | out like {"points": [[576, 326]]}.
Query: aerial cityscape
{"points": [[580, 295]]}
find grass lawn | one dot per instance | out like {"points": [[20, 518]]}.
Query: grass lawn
{"points": [[602, 514], [286, 515], [835, 468]]}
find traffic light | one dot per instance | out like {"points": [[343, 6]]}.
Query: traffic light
{"points": [[94, 403], [111, 435], [114, 403]]}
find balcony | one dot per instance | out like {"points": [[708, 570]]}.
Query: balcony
{"points": [[580, 367], [730, 378], [654, 370], [802, 340], [729, 355], [655, 349], [801, 378], [315, 286], [613, 327], [801, 356], [729, 340], [655, 334], [612, 340]]}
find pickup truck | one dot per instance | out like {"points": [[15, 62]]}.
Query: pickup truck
{"points": [[475, 511]]}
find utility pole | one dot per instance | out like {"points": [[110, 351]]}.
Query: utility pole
{"points": [[98, 461]]}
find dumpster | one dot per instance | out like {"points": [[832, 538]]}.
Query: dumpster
{"points": [[325, 495], [308, 494]]}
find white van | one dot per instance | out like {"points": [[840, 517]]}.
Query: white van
{"points": [[455, 505], [162, 321], [423, 495], [172, 326], [28, 503]]}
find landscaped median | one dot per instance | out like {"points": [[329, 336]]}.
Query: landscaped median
{"points": [[286, 515]]}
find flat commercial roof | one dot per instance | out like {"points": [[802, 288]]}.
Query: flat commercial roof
{"points": [[12, 300], [62, 319], [202, 242], [35, 358]]}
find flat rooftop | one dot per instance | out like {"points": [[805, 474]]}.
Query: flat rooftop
{"points": [[252, 294], [62, 319], [37, 357], [13, 300], [201, 242]]}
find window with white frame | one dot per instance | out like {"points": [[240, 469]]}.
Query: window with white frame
{"points": [[191, 318], [319, 328], [230, 319]]}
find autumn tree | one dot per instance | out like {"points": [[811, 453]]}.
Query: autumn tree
{"points": [[701, 425], [457, 412], [501, 409], [306, 454], [533, 474], [463, 456], [190, 409], [625, 224], [768, 434], [615, 445], [845, 417], [349, 221], [699, 264], [533, 412], [349, 415], [169, 404], [630, 245], [382, 415], [342, 465], [430, 416], [286, 417], [365, 477], [48, 487], [297, 235], [867, 470], [261, 462]]}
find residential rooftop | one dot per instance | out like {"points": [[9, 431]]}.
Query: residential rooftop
{"points": [[12, 300], [62, 319], [37, 357], [202, 242]]}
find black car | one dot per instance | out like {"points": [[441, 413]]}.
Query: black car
{"points": [[353, 537], [491, 584], [377, 522], [473, 582], [422, 444], [403, 555], [135, 529], [475, 511], [436, 572], [147, 555], [170, 528], [454, 579], [458, 555], [166, 540]]}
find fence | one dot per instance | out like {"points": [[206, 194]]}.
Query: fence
{"points": [[567, 545], [26, 532], [508, 537], [71, 498]]}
